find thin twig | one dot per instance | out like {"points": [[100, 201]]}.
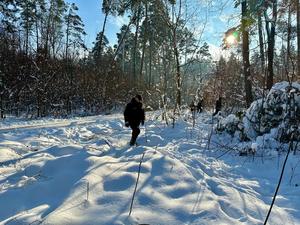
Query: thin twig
{"points": [[279, 182], [224, 153], [136, 183]]}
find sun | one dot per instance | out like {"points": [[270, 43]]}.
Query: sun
{"points": [[231, 40]]}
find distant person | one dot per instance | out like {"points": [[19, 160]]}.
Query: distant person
{"points": [[200, 105], [193, 106], [134, 115], [218, 106]]}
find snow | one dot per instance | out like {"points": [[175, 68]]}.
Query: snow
{"points": [[282, 86], [269, 120], [82, 171]]}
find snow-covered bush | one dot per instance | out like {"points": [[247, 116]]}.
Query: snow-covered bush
{"points": [[230, 124], [277, 116], [280, 108]]}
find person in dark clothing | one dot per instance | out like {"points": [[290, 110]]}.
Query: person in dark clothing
{"points": [[218, 106], [193, 106], [199, 106], [134, 115]]}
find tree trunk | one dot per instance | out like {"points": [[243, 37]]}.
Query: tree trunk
{"points": [[1, 107], [102, 33], [121, 41], [46, 48], [53, 40], [261, 46], [27, 29], [298, 39], [135, 42], [271, 44], [178, 75], [176, 54], [165, 85], [67, 36], [144, 44], [37, 35], [246, 62], [150, 62], [123, 57], [288, 44], [142, 60]]}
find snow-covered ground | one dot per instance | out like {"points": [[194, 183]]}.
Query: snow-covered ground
{"points": [[82, 171]]}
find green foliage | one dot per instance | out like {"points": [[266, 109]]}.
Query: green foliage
{"points": [[204, 51], [253, 7], [98, 48], [74, 28]]}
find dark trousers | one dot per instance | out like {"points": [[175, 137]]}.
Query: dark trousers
{"points": [[216, 112], [135, 133]]}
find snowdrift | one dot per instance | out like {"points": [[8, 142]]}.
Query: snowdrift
{"points": [[82, 172]]}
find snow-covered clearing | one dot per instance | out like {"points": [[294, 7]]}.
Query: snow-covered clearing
{"points": [[82, 171]]}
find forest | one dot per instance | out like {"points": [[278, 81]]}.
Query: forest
{"points": [[47, 69], [65, 154]]}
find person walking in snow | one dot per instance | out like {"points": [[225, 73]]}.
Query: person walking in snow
{"points": [[193, 106], [200, 106], [218, 106], [134, 115]]}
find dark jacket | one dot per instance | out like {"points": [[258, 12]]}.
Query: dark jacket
{"points": [[134, 113], [199, 105], [218, 104]]}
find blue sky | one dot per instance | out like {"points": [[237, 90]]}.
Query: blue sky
{"points": [[218, 22], [91, 14]]}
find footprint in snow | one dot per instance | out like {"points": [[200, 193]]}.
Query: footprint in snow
{"points": [[180, 192], [215, 188], [135, 168], [145, 199], [230, 211], [120, 183]]}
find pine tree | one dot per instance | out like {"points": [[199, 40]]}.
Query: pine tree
{"points": [[8, 15], [108, 7], [28, 17], [74, 30], [100, 46], [52, 25]]}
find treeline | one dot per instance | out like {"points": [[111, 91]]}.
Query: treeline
{"points": [[266, 41], [46, 69], [159, 48]]}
